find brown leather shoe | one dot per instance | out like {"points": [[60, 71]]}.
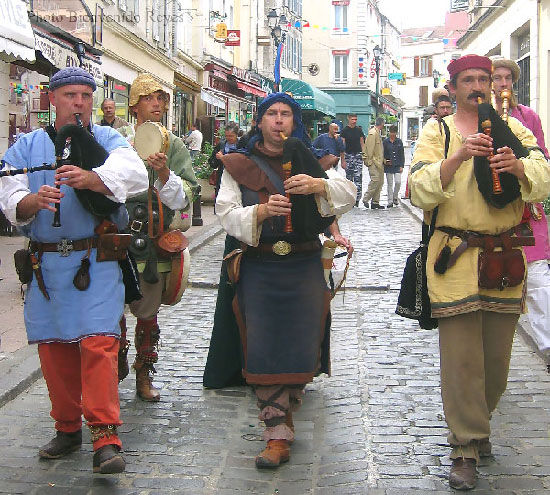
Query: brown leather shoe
{"points": [[144, 384], [107, 460], [463, 474], [62, 444], [485, 448], [276, 452]]}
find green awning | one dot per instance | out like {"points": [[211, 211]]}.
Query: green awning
{"points": [[309, 97]]}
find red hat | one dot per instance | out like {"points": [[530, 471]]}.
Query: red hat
{"points": [[469, 62]]}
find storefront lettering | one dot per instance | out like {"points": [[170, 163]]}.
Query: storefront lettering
{"points": [[241, 74]]}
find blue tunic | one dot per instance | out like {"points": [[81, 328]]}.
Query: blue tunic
{"points": [[70, 315]]}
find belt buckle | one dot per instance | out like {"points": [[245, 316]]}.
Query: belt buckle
{"points": [[136, 226], [65, 247], [281, 248]]}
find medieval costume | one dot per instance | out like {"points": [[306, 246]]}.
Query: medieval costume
{"points": [[282, 301], [476, 324], [77, 331], [177, 193]]}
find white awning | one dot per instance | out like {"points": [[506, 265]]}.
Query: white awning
{"points": [[212, 99], [16, 36]]}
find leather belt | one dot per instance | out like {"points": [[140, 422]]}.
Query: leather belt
{"points": [[522, 232], [476, 239], [282, 248], [64, 247]]}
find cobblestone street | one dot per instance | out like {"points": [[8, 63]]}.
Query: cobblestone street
{"points": [[374, 427]]}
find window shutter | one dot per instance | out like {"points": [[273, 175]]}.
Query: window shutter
{"points": [[416, 66], [423, 96], [430, 66]]}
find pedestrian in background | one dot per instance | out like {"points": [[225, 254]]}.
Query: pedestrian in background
{"points": [[108, 107], [476, 321], [226, 145], [332, 142], [354, 140], [394, 161], [194, 140], [77, 330], [374, 159]]}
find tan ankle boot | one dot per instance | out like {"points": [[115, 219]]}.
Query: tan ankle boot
{"points": [[276, 452], [144, 383]]}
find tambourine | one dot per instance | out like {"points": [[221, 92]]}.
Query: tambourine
{"points": [[176, 281], [151, 138]]}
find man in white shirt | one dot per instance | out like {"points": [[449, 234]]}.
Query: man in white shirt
{"points": [[194, 141]]}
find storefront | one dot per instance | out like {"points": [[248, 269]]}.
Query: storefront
{"points": [[231, 96], [318, 107], [186, 92], [16, 44]]}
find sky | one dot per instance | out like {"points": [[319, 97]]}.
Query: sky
{"points": [[415, 13]]}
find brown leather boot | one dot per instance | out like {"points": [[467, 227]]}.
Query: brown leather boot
{"points": [[276, 452], [463, 474], [146, 341], [124, 345]]}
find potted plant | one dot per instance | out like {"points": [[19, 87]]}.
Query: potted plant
{"points": [[202, 172]]}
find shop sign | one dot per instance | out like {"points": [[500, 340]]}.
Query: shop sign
{"points": [[62, 57], [221, 32], [241, 74], [233, 37], [340, 52]]}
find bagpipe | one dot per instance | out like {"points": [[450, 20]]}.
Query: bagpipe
{"points": [[498, 188]]}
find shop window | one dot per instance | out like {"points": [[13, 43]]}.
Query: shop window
{"points": [[412, 128]]}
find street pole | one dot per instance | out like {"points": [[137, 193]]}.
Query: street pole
{"points": [[377, 86]]}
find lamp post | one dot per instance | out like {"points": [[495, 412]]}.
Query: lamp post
{"points": [[277, 24], [377, 52], [436, 75]]}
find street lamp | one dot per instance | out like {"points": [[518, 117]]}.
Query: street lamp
{"points": [[436, 75], [377, 51], [277, 25]]}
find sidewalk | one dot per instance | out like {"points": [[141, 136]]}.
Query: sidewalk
{"points": [[19, 364]]}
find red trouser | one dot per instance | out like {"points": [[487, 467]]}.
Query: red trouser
{"points": [[82, 378]]}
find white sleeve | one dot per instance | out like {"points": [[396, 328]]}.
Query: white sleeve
{"points": [[172, 193], [341, 195], [124, 174], [237, 220], [12, 190]]}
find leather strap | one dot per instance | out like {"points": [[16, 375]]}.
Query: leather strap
{"points": [[150, 213], [54, 247]]}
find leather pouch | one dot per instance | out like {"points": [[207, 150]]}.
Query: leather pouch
{"points": [[113, 247], [171, 243], [500, 269], [233, 264], [23, 265]]}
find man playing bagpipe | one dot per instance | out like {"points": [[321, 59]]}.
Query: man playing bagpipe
{"points": [[75, 293], [282, 300], [475, 266]]}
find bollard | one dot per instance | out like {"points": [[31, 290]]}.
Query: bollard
{"points": [[196, 219]]}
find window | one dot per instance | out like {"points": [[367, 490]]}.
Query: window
{"points": [[340, 64], [341, 18], [423, 66], [522, 86]]}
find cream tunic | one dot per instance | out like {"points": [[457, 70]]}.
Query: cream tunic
{"points": [[462, 207]]}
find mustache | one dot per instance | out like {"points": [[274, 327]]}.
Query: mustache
{"points": [[477, 94]]}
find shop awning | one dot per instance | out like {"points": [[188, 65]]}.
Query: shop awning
{"points": [[16, 38], [309, 97], [211, 98], [253, 90]]}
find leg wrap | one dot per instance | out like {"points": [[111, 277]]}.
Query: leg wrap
{"points": [[123, 368], [146, 342]]}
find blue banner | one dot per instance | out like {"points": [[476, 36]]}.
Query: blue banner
{"points": [[277, 69]]}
